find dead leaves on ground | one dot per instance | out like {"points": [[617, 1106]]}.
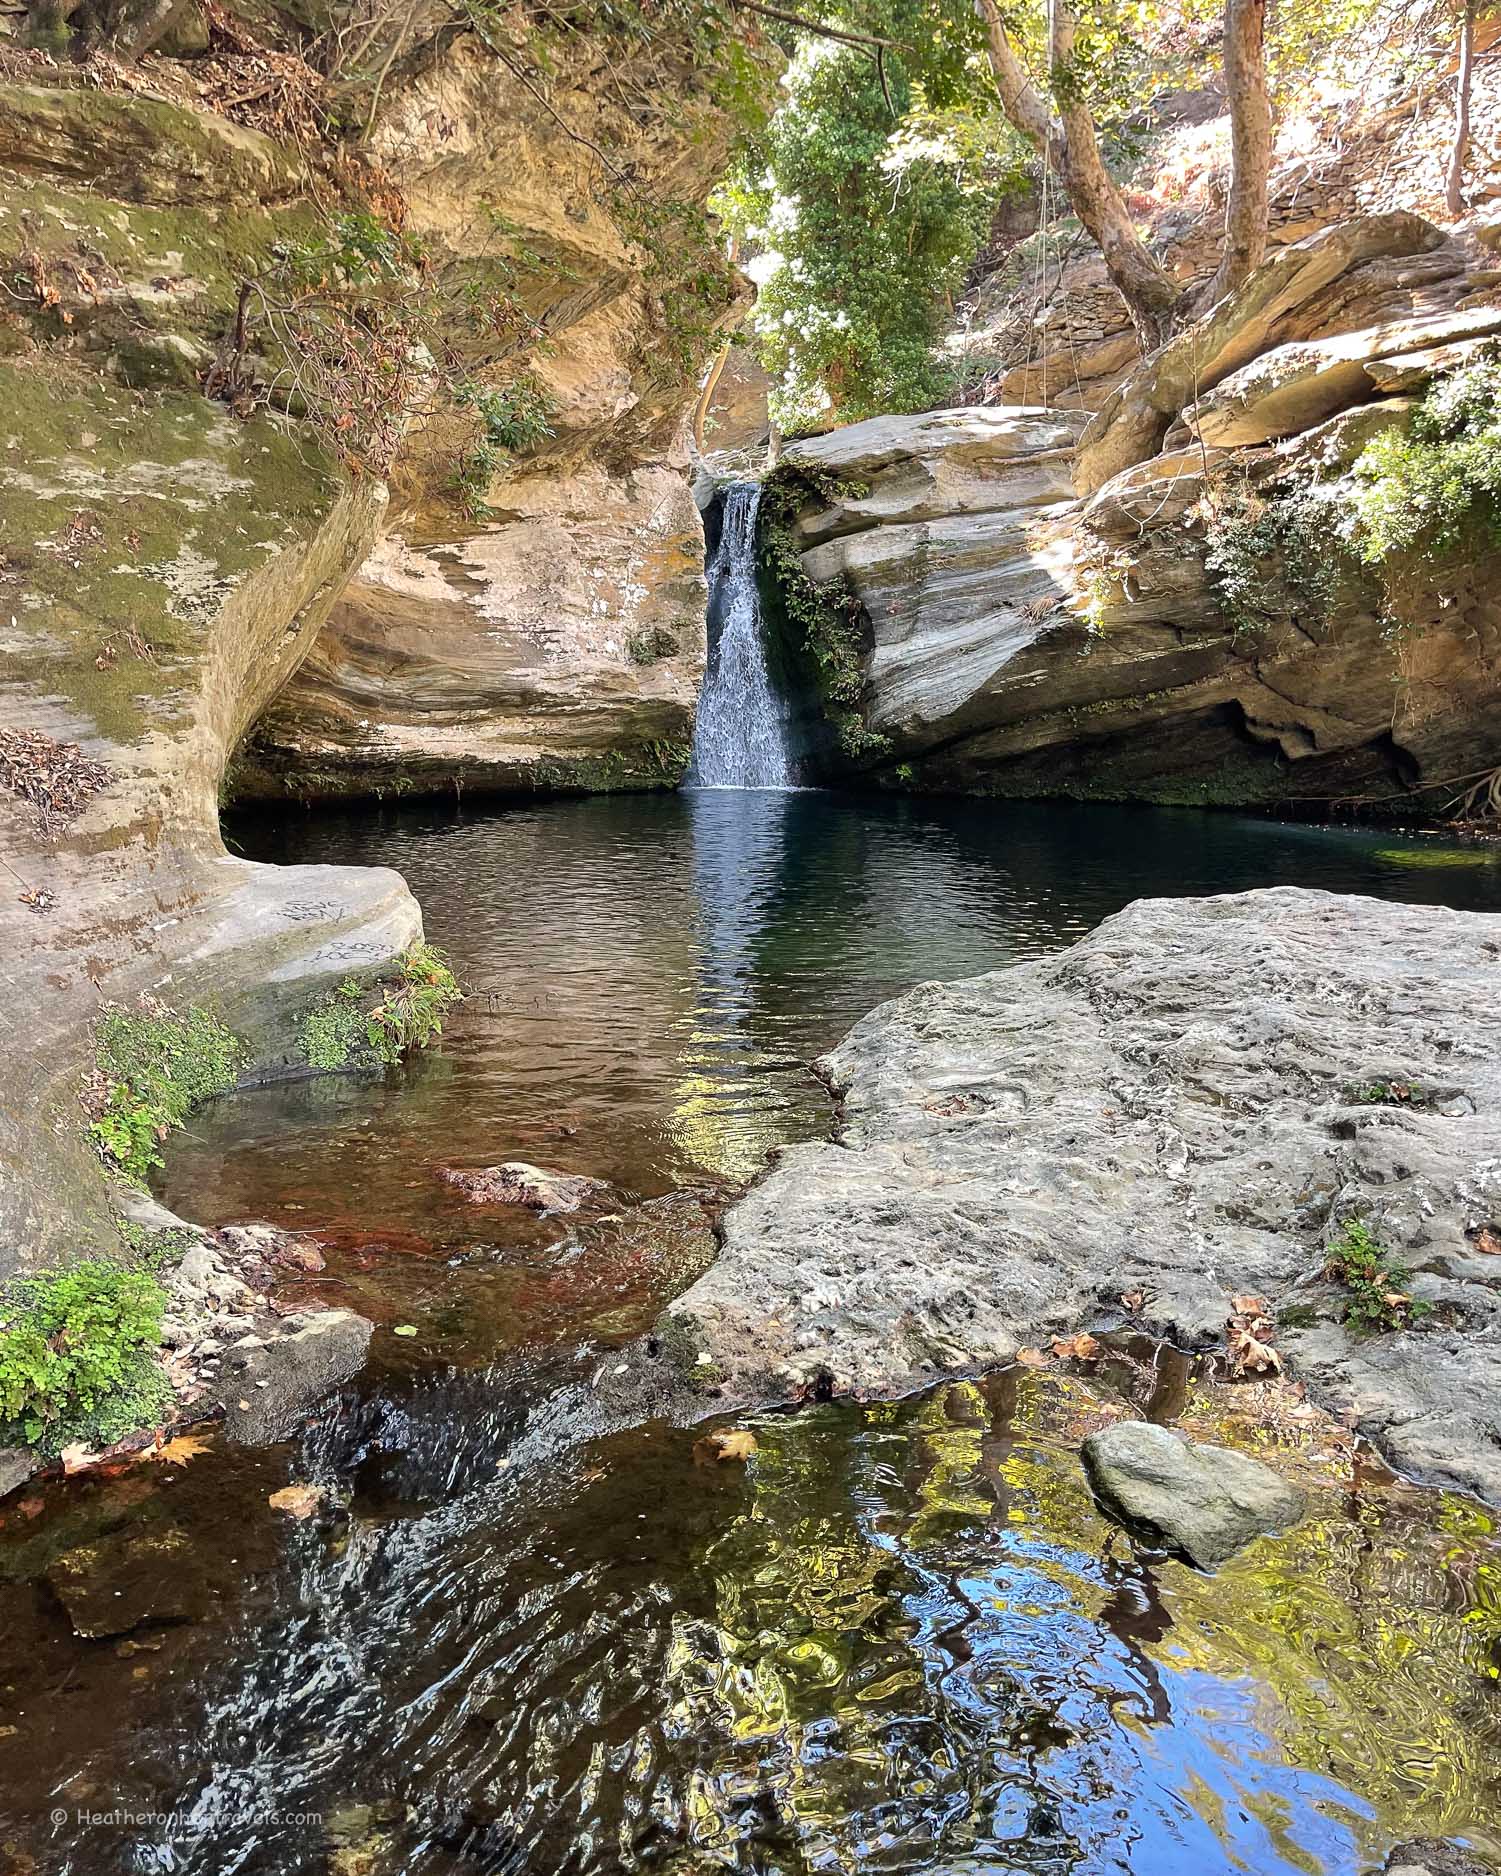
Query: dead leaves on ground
{"points": [[1080, 1347], [1487, 1238], [1248, 1338]]}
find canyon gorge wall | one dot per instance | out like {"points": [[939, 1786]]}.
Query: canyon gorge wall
{"points": [[1162, 599], [531, 611]]}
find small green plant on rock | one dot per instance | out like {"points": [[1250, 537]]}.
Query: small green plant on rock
{"points": [[1272, 555], [78, 1356], [349, 1031], [1436, 486], [827, 625], [652, 644], [153, 1066], [513, 419], [1378, 1302], [1396, 1091]]}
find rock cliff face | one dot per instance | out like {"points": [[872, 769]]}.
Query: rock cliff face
{"points": [[165, 566], [1188, 1104], [168, 560], [558, 641], [1060, 602]]}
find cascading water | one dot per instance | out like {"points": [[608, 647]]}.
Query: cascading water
{"points": [[740, 735]]}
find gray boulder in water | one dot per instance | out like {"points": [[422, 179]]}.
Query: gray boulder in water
{"points": [[1206, 1501]]}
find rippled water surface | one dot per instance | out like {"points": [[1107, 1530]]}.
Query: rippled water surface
{"points": [[901, 1639]]}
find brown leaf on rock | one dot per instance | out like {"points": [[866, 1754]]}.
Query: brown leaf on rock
{"points": [[1080, 1347], [1133, 1300], [1488, 1239], [1250, 1355], [1031, 1358]]}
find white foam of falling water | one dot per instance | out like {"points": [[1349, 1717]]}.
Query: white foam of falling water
{"points": [[740, 733]]}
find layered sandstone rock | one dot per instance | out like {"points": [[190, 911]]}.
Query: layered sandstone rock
{"points": [[1108, 622], [558, 641]]}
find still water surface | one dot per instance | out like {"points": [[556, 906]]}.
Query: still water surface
{"points": [[902, 1639]]}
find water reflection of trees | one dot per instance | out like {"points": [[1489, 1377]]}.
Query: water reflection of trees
{"points": [[928, 1651]]}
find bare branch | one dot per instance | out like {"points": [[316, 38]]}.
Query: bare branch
{"points": [[818, 28]]}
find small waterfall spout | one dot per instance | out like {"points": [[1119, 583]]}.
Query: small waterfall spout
{"points": [[739, 736]]}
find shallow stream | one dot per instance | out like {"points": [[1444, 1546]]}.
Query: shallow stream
{"points": [[902, 1638]]}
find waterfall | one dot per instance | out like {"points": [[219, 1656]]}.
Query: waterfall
{"points": [[739, 736]]}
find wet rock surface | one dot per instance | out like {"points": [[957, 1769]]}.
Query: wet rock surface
{"points": [[517, 1182], [1206, 1501], [1183, 1107], [232, 1349], [268, 1385]]}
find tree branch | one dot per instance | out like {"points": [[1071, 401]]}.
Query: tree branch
{"points": [[816, 27], [1250, 145]]}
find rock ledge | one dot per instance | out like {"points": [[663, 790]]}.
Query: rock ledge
{"points": [[1177, 1109]]}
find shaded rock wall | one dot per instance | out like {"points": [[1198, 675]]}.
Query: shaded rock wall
{"points": [[165, 567]]}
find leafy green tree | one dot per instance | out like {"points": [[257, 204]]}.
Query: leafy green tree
{"points": [[863, 203]]}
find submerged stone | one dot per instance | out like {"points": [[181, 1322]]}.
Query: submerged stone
{"points": [[131, 1580], [1206, 1501]]}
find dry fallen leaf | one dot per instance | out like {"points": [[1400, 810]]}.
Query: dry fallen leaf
{"points": [[1488, 1239], [1031, 1358], [298, 1501], [1250, 1355], [1133, 1299], [1249, 1306], [1082, 1347], [179, 1451], [726, 1443]]}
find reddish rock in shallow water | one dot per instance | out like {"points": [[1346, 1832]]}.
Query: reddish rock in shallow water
{"points": [[517, 1183]]}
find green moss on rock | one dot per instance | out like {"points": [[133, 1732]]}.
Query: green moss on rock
{"points": [[129, 519]]}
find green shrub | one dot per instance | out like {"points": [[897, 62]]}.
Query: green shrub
{"points": [[152, 1068], [1273, 556], [825, 624], [334, 1030], [1378, 1301], [513, 418], [1434, 487], [78, 1356], [349, 1030]]}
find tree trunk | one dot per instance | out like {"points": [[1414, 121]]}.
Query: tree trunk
{"points": [[1250, 145], [1073, 149], [1460, 148]]}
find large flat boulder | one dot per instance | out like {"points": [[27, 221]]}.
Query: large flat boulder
{"points": [[1295, 386], [1178, 1107]]}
